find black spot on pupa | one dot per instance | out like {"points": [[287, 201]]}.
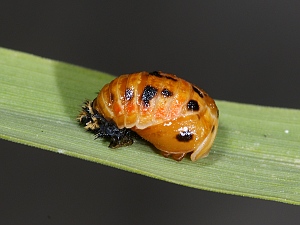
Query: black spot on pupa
{"points": [[128, 94], [166, 93], [184, 136], [193, 105], [112, 97], [213, 128], [158, 74], [171, 78], [148, 93], [198, 91]]}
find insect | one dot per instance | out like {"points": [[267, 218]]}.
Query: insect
{"points": [[169, 112]]}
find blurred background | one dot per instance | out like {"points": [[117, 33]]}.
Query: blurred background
{"points": [[242, 51]]}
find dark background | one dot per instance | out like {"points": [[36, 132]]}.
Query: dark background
{"points": [[241, 50]]}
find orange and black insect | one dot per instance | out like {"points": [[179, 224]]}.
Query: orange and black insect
{"points": [[169, 112]]}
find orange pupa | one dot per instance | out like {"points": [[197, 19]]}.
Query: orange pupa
{"points": [[174, 115]]}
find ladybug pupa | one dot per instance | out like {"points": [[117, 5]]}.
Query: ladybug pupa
{"points": [[167, 111]]}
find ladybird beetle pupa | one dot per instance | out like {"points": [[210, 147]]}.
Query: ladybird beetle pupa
{"points": [[172, 114]]}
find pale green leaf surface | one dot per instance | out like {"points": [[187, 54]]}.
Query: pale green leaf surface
{"points": [[256, 152]]}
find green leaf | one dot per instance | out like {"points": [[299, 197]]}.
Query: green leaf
{"points": [[256, 152]]}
